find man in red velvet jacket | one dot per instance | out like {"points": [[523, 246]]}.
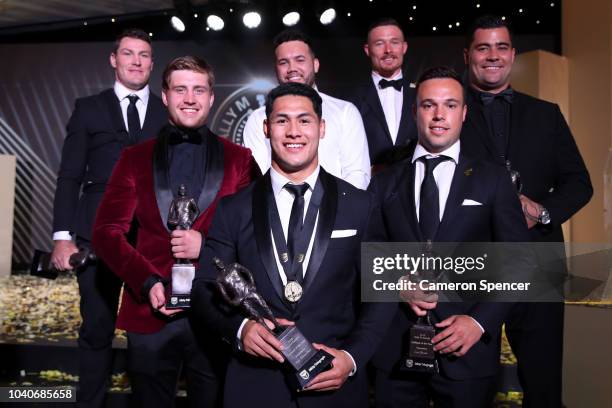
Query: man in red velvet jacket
{"points": [[140, 191]]}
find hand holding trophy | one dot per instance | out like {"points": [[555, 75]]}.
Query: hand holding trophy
{"points": [[237, 287]]}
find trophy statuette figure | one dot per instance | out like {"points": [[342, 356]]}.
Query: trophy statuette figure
{"points": [[181, 215]]}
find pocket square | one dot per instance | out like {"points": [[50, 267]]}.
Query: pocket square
{"points": [[467, 201], [343, 233]]}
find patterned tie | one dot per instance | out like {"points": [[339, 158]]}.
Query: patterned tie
{"points": [[429, 204], [296, 219], [133, 119]]}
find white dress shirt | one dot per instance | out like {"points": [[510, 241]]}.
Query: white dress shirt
{"points": [[141, 104], [284, 202], [391, 101], [443, 174], [343, 152], [122, 94]]}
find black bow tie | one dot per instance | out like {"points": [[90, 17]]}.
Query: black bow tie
{"points": [[184, 135], [396, 83], [487, 97]]}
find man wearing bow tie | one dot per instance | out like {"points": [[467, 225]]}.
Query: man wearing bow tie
{"points": [[530, 136], [386, 98], [186, 157], [99, 128]]}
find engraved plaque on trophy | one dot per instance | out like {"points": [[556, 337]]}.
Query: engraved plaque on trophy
{"points": [[181, 215], [237, 287]]}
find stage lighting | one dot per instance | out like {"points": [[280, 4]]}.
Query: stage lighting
{"points": [[177, 24], [291, 18], [251, 19], [215, 22], [328, 16]]}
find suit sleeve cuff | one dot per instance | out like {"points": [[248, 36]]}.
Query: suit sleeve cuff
{"points": [[354, 370], [62, 236], [146, 287], [239, 334]]}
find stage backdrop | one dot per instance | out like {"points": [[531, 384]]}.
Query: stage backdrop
{"points": [[40, 82]]}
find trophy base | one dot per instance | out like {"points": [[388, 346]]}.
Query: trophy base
{"points": [[320, 362], [182, 301], [41, 265], [304, 361], [421, 357], [419, 365]]}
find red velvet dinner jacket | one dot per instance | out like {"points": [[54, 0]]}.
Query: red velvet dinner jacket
{"points": [[130, 194]]}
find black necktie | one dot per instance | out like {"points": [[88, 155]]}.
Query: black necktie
{"points": [[396, 83], [487, 98], [429, 204], [133, 119], [296, 219]]}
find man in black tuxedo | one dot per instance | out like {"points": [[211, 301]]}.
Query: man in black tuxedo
{"points": [[99, 128], [439, 193], [532, 137], [385, 99], [327, 308]]}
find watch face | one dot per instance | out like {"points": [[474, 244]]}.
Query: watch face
{"points": [[544, 217]]}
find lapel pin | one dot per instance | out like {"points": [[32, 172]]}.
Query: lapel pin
{"points": [[468, 172], [284, 257]]}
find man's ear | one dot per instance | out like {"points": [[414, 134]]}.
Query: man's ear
{"points": [[113, 60], [322, 128], [265, 128], [164, 98], [316, 65]]}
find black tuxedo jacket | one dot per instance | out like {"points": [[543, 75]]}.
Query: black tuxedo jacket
{"points": [[542, 149], [96, 134], [499, 218], [329, 312], [379, 139]]}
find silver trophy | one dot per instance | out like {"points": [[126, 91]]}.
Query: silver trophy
{"points": [[183, 212], [237, 288]]}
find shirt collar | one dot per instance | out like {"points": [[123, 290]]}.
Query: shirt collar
{"points": [[122, 92], [279, 181], [452, 152], [376, 77]]}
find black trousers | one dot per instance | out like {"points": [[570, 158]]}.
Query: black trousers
{"points": [[99, 289], [406, 390], [535, 333], [156, 360]]}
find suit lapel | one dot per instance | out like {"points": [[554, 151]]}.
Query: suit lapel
{"points": [[455, 196], [213, 171], [514, 137], [261, 229], [113, 107], [403, 132], [478, 122], [325, 226], [373, 100], [405, 191], [161, 180], [153, 112]]}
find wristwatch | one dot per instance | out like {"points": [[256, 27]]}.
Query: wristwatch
{"points": [[544, 217]]}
